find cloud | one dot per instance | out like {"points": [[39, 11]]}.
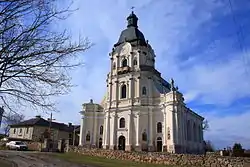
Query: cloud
{"points": [[195, 43], [227, 130]]}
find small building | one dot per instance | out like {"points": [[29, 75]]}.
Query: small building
{"points": [[35, 129]]}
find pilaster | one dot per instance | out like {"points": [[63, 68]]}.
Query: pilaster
{"points": [[82, 135]]}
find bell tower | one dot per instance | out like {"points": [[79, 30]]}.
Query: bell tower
{"points": [[129, 82]]}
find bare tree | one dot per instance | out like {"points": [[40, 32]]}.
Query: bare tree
{"points": [[205, 125], [35, 58], [11, 119]]}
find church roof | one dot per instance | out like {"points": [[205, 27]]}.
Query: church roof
{"points": [[132, 34]]}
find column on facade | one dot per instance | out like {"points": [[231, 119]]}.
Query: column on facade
{"points": [[107, 130], [95, 128], [110, 93], [150, 127], [164, 126], [129, 129], [115, 131], [104, 130], [138, 129], [82, 135]]}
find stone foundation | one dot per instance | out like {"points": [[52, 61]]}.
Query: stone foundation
{"points": [[210, 160], [137, 148], [128, 148]]}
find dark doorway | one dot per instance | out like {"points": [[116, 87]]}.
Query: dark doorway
{"points": [[100, 143], [121, 144], [159, 144]]}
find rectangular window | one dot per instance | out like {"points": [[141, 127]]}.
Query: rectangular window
{"points": [[27, 130], [14, 130], [20, 130]]}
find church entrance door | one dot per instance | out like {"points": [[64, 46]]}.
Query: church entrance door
{"points": [[159, 144], [100, 143], [121, 143]]}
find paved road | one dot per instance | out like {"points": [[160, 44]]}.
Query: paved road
{"points": [[33, 159]]}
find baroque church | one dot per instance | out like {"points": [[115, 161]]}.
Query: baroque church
{"points": [[140, 110]]}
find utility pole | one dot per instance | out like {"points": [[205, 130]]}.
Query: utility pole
{"points": [[50, 123], [1, 114]]}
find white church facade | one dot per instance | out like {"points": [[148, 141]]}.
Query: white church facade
{"points": [[140, 111]]}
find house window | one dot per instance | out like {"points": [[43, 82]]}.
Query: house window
{"points": [[27, 130], [144, 90], [88, 137], [122, 123], [124, 63], [159, 127], [135, 62], [101, 130], [20, 130], [123, 92], [14, 131], [144, 136]]}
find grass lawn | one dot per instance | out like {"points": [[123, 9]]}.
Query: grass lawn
{"points": [[102, 162]]}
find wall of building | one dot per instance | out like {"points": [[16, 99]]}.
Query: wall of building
{"points": [[34, 133], [21, 133]]}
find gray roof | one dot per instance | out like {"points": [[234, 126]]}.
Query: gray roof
{"points": [[38, 121], [132, 34]]}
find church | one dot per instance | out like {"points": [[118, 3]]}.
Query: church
{"points": [[140, 111]]}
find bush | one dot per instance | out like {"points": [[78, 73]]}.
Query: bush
{"points": [[238, 151]]}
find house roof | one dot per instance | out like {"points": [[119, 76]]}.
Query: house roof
{"points": [[38, 121]]}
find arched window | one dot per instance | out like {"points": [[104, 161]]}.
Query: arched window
{"points": [[188, 131], [194, 132], [122, 123], [101, 130], [144, 90], [135, 62], [199, 133], [88, 137], [124, 63], [123, 91], [114, 66], [159, 127], [144, 136]]}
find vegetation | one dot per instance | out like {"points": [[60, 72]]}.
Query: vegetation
{"points": [[102, 162], [238, 150], [35, 56], [209, 146], [11, 119]]}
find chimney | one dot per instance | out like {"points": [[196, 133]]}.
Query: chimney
{"points": [[38, 116], [70, 124]]}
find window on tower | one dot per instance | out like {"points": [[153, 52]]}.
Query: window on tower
{"points": [[144, 136], [144, 90], [135, 62], [101, 130], [124, 63], [123, 91], [88, 136], [159, 127], [122, 123], [114, 66]]}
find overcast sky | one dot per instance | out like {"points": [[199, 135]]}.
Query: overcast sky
{"points": [[195, 42]]}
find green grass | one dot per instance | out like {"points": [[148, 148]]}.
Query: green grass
{"points": [[102, 162]]}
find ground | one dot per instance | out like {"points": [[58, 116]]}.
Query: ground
{"points": [[37, 159]]}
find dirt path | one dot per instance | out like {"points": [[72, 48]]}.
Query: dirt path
{"points": [[33, 159]]}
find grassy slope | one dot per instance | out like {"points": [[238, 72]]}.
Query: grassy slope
{"points": [[102, 162]]}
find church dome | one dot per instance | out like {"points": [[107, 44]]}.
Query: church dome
{"points": [[132, 34]]}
